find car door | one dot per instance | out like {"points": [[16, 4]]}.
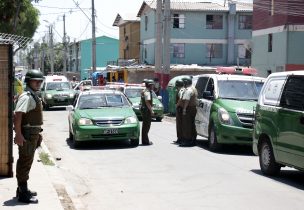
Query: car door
{"points": [[290, 144], [204, 105]]}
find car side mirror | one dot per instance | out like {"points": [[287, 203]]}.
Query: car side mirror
{"points": [[70, 108], [160, 98], [208, 95]]}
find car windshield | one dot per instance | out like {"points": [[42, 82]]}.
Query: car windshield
{"points": [[136, 92], [58, 86], [239, 90], [95, 101], [133, 92]]}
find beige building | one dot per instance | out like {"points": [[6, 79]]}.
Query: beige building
{"points": [[129, 37]]}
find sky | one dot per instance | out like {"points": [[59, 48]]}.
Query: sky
{"points": [[78, 25]]}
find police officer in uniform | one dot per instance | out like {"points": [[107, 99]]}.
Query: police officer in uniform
{"points": [[146, 111], [188, 114], [179, 85], [27, 123]]}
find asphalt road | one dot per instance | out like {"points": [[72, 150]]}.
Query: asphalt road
{"points": [[113, 175]]}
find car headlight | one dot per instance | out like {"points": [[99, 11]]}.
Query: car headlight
{"points": [[131, 120], [48, 96], [71, 95], [85, 121], [224, 116]]}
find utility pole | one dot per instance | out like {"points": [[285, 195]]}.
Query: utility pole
{"points": [[52, 48], [166, 66], [93, 39], [64, 48], [158, 49]]}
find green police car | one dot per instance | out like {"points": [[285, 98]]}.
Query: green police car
{"points": [[134, 95], [102, 115], [56, 90], [225, 106], [278, 136]]}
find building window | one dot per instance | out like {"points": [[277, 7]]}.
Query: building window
{"points": [[245, 22], [214, 21], [178, 21], [178, 50], [244, 52], [146, 23], [145, 53], [269, 42], [214, 50]]}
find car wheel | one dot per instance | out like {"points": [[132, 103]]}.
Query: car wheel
{"points": [[134, 142], [46, 107], [267, 162], [75, 143], [159, 119], [212, 140]]}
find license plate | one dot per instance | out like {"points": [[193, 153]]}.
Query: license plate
{"points": [[110, 131]]}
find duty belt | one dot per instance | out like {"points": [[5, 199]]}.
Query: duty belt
{"points": [[32, 129]]}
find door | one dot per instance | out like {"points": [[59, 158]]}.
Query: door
{"points": [[204, 105], [290, 142]]}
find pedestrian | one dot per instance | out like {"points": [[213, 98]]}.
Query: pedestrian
{"points": [[179, 85], [146, 111], [27, 124], [74, 82], [188, 114]]}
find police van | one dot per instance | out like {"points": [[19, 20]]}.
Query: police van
{"points": [[225, 107], [56, 90], [278, 136]]}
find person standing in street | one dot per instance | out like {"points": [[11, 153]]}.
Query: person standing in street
{"points": [[146, 111], [179, 85], [188, 114], [27, 124]]}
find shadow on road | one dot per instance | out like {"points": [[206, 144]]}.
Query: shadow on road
{"points": [[14, 202], [227, 149], [57, 108], [292, 178], [101, 145]]}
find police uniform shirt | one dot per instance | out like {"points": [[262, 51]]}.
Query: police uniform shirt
{"points": [[180, 93], [25, 102], [188, 92], [147, 95]]}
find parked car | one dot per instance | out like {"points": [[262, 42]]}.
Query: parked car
{"points": [[278, 136], [56, 90], [225, 108], [102, 115], [134, 95]]}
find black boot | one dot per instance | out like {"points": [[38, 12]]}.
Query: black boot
{"points": [[33, 193], [24, 194]]}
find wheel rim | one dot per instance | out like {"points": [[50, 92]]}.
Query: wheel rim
{"points": [[265, 155]]}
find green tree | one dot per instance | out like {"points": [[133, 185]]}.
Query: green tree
{"points": [[18, 17]]}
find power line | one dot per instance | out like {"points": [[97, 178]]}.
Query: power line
{"points": [[65, 8], [77, 4]]}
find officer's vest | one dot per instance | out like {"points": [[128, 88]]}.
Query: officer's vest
{"points": [[33, 117], [143, 104], [192, 101]]}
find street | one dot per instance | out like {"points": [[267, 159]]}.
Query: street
{"points": [[113, 175]]}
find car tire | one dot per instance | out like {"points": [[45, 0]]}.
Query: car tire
{"points": [[214, 146], [134, 142], [267, 161], [159, 119], [75, 144], [46, 107]]}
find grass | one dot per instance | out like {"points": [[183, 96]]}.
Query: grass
{"points": [[45, 159]]}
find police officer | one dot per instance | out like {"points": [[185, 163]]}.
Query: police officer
{"points": [[146, 111], [179, 85], [27, 123], [188, 113]]}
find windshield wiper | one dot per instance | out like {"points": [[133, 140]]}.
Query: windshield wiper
{"points": [[88, 107]]}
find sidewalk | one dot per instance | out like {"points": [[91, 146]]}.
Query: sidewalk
{"points": [[39, 181]]}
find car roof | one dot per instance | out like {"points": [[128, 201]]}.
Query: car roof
{"points": [[286, 73], [89, 92], [134, 87], [230, 77]]}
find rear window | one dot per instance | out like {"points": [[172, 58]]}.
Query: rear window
{"points": [[239, 89], [58, 86]]}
